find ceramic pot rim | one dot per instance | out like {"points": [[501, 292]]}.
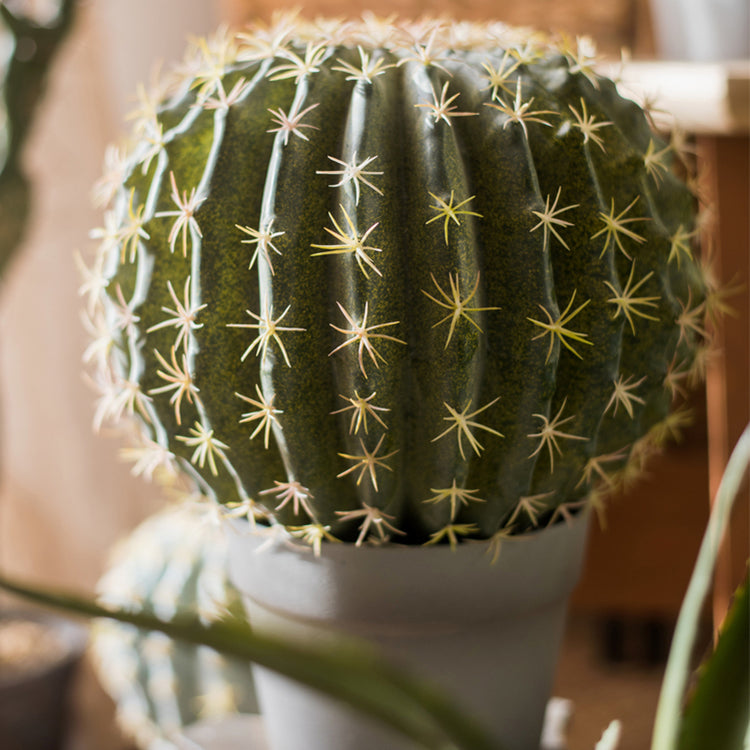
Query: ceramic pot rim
{"points": [[277, 535], [379, 583]]}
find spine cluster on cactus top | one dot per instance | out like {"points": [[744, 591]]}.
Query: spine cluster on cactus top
{"points": [[414, 282]]}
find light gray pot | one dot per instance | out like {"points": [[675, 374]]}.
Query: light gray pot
{"points": [[488, 634], [702, 30]]}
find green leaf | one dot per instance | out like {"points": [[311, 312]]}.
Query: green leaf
{"points": [[718, 714], [667, 726], [22, 85], [350, 672]]}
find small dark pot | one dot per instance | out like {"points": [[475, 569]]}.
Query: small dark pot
{"points": [[34, 704]]}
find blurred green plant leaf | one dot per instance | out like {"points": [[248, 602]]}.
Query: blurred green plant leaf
{"points": [[27, 49], [349, 672]]}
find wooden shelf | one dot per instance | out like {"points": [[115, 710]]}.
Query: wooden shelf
{"points": [[701, 98], [642, 565], [639, 564]]}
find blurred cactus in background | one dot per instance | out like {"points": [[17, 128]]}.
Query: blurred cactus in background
{"points": [[173, 563]]}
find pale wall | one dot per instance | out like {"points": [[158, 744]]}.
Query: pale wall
{"points": [[65, 495]]}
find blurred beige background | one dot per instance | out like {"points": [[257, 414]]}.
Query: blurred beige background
{"points": [[65, 495]]}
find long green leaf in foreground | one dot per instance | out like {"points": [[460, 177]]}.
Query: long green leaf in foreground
{"points": [[718, 713], [669, 709], [350, 673]]}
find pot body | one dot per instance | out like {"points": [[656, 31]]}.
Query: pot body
{"points": [[487, 634]]}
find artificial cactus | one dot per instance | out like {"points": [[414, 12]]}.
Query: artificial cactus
{"points": [[173, 563], [412, 282]]}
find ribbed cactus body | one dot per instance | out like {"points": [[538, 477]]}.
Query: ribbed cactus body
{"points": [[174, 562], [414, 281]]}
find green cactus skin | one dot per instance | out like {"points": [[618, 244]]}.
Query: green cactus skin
{"points": [[421, 282], [175, 561]]}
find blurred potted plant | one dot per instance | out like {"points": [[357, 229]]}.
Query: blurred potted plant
{"points": [[425, 289], [29, 40], [173, 562], [38, 652]]}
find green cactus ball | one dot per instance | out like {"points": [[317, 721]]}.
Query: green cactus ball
{"points": [[412, 282], [174, 562]]}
